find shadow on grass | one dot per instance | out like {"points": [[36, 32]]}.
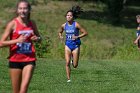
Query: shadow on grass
{"points": [[127, 17]]}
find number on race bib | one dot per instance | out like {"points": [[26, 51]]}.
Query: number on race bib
{"points": [[24, 48], [69, 36]]}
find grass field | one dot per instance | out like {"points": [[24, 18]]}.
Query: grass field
{"points": [[104, 41], [89, 77]]}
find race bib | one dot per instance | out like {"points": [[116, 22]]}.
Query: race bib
{"points": [[69, 36], [24, 48]]}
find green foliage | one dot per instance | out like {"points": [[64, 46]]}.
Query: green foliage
{"points": [[104, 41], [127, 52], [114, 9], [35, 2], [7, 4], [42, 48]]}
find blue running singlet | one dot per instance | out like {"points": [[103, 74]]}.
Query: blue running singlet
{"points": [[70, 31]]}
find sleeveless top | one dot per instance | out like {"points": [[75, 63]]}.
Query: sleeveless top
{"points": [[22, 52], [70, 31]]}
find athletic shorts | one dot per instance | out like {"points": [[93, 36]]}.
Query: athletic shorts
{"points": [[20, 65], [72, 45]]}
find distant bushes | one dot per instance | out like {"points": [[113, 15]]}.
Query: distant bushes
{"points": [[104, 40]]}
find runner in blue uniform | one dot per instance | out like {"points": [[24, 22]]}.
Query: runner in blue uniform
{"points": [[137, 41], [74, 31]]}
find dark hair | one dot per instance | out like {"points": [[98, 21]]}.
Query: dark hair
{"points": [[28, 4], [138, 16], [76, 11]]}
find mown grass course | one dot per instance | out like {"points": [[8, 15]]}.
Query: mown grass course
{"points": [[90, 77], [96, 72]]}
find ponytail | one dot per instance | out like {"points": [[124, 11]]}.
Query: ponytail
{"points": [[76, 11]]}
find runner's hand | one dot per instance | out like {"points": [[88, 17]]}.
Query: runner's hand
{"points": [[21, 38], [74, 37], [35, 38]]}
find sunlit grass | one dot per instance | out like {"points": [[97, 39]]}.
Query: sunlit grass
{"points": [[90, 77]]}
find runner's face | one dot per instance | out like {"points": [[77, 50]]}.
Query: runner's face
{"points": [[23, 10], [69, 16]]}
